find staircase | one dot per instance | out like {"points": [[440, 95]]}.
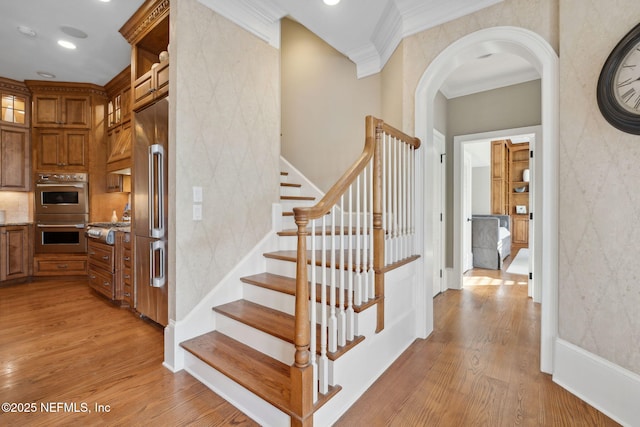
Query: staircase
{"points": [[253, 345], [309, 333]]}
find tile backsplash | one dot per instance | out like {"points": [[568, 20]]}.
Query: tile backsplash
{"points": [[18, 206]]}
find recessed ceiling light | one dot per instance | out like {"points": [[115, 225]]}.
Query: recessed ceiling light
{"points": [[331, 2], [46, 75], [66, 44], [74, 32], [26, 31], [105, 1]]}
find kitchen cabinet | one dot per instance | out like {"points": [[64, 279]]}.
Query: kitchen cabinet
{"points": [[101, 268], [60, 265], [70, 111], [15, 252], [520, 230], [15, 158], [124, 269], [119, 122], [15, 141], [151, 86], [147, 31], [61, 150]]}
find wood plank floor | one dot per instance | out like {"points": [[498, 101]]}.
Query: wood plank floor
{"points": [[59, 342]]}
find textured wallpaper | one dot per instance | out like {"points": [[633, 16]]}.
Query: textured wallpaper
{"points": [[226, 90], [599, 200]]}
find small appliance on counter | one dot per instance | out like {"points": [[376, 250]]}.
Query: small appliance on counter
{"points": [[105, 232]]}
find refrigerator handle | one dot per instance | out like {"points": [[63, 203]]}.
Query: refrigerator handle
{"points": [[157, 279], [156, 191]]}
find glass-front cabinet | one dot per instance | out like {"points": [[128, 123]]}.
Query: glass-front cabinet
{"points": [[14, 109]]}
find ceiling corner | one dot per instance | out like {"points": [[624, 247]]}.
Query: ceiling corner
{"points": [[367, 60]]}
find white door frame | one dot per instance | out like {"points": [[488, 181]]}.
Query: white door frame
{"points": [[534, 48], [535, 134], [439, 276]]}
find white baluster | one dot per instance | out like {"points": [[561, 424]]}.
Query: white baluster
{"points": [[370, 270], [342, 320], [324, 361], [313, 315], [358, 290], [333, 321], [350, 313]]}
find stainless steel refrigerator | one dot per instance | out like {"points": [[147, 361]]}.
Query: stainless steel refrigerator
{"points": [[150, 211]]}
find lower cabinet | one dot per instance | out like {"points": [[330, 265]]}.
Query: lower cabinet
{"points": [[110, 269], [15, 253], [520, 232], [101, 268], [60, 265]]}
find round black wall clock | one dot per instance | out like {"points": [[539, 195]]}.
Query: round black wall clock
{"points": [[619, 84]]}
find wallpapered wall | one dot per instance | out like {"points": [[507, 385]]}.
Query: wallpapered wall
{"points": [[227, 140], [599, 200]]}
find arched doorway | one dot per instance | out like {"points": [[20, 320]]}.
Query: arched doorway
{"points": [[540, 54]]}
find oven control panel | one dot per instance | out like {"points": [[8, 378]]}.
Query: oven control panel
{"points": [[61, 177]]}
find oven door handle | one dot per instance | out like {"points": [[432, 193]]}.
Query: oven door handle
{"points": [[61, 225], [61, 185]]}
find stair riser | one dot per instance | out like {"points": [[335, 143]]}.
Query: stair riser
{"points": [[268, 298], [289, 191], [287, 243], [288, 205], [267, 344], [282, 302], [253, 406], [286, 268]]}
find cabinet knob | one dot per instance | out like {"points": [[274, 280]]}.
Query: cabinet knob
{"points": [[62, 265], [127, 258], [93, 276], [105, 257], [127, 294], [126, 276]]}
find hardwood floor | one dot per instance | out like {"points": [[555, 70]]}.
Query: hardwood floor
{"points": [[59, 342]]}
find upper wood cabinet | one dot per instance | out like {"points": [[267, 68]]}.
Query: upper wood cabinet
{"points": [[71, 111], [499, 178], [148, 33], [15, 140], [119, 136], [15, 158], [62, 150]]}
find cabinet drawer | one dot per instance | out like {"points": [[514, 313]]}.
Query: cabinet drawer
{"points": [[127, 278], [101, 255], [127, 294], [101, 281], [126, 257], [59, 267]]}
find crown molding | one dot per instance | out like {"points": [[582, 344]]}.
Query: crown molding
{"points": [[260, 17]]}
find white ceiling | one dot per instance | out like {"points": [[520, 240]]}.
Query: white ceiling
{"points": [[98, 57], [366, 31]]}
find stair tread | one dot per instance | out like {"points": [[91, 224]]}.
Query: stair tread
{"points": [[273, 322], [328, 232], [297, 198], [263, 375], [292, 255], [287, 285], [289, 184]]}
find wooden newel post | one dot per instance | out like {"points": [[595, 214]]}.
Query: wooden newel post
{"points": [[301, 370], [374, 128]]}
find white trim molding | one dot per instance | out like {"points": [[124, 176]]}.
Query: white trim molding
{"points": [[535, 49], [612, 390]]}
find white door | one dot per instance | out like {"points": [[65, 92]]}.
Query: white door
{"points": [[467, 188], [439, 284]]}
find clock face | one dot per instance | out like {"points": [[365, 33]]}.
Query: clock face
{"points": [[627, 81], [618, 91]]}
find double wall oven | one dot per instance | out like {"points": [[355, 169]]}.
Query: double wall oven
{"points": [[61, 212]]}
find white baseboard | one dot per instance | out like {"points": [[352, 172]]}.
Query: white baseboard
{"points": [[612, 390]]}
